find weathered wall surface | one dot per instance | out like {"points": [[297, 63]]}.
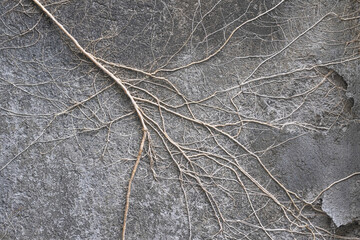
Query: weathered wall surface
{"points": [[252, 110]]}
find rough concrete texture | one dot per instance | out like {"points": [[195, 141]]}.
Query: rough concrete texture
{"points": [[313, 162], [252, 109]]}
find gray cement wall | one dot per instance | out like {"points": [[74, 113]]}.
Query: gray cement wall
{"points": [[252, 109]]}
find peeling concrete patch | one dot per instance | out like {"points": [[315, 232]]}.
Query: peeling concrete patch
{"points": [[350, 73], [311, 163], [342, 202]]}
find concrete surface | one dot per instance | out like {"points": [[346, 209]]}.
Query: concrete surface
{"points": [[259, 106]]}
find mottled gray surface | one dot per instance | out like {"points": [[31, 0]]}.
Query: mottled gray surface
{"points": [[251, 114], [313, 162]]}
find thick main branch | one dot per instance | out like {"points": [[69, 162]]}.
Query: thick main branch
{"points": [[128, 94]]}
